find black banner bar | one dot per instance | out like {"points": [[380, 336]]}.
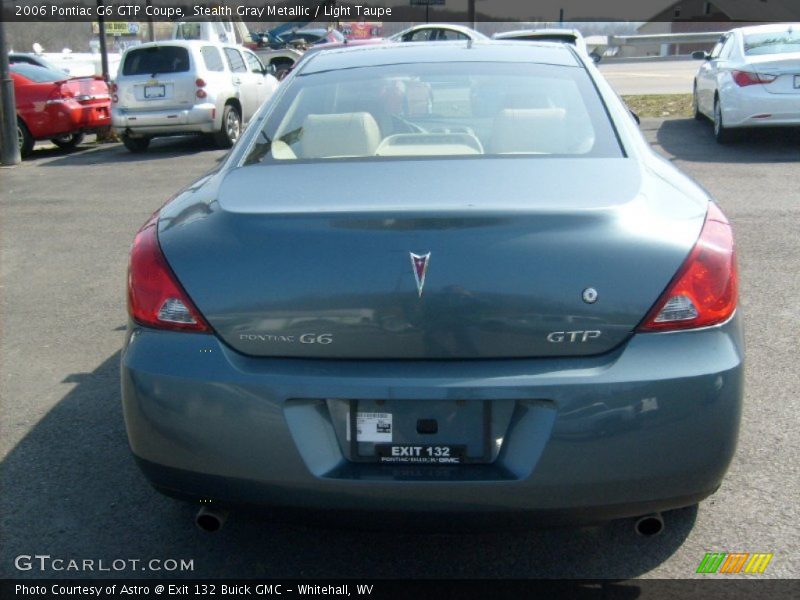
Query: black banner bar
{"points": [[111, 589], [742, 11]]}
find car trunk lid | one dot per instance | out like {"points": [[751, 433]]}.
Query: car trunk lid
{"points": [[785, 66], [524, 259], [156, 78]]}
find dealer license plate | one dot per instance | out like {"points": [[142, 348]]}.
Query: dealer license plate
{"points": [[154, 91], [420, 454]]}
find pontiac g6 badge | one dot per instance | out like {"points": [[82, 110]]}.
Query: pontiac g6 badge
{"points": [[419, 264]]}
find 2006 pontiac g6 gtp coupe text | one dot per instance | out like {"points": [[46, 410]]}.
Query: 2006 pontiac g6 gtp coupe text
{"points": [[437, 278]]}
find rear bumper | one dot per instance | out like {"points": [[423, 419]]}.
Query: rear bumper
{"points": [[651, 426], [753, 106], [200, 118]]}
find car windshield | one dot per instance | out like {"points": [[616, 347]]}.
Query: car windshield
{"points": [[156, 59], [775, 42], [438, 109], [38, 74]]}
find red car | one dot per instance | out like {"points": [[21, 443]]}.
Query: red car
{"points": [[51, 105]]}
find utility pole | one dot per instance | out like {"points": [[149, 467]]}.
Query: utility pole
{"points": [[151, 34], [471, 14], [101, 26], [9, 143]]}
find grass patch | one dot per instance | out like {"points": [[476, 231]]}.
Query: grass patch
{"points": [[660, 105]]}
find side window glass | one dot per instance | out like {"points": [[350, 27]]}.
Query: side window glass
{"points": [[235, 61], [212, 58], [727, 47], [253, 64], [718, 48]]}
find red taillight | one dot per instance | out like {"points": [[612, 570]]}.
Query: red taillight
{"points": [[155, 298], [201, 94], [112, 87], [745, 78], [115, 98], [200, 82], [705, 289]]}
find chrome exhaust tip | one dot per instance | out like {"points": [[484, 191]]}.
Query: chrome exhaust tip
{"points": [[210, 519], [649, 525]]}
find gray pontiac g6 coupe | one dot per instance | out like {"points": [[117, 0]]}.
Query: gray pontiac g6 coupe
{"points": [[437, 278]]}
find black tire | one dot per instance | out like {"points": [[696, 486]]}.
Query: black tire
{"points": [[68, 141], [136, 144], [722, 134], [696, 105], [24, 139], [231, 127]]}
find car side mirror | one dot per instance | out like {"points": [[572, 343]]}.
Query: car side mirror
{"points": [[595, 56], [270, 70], [700, 55], [635, 117]]}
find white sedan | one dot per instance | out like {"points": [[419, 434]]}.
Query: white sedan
{"points": [[750, 79], [437, 32]]}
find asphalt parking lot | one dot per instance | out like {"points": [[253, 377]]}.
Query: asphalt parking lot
{"points": [[71, 490], [650, 76]]}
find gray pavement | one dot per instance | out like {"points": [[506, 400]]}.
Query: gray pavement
{"points": [[70, 489], [650, 77]]}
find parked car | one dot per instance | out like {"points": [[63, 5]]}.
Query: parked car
{"points": [[51, 105], [180, 87], [313, 36], [566, 36], [436, 335], [750, 79], [34, 59], [437, 32]]}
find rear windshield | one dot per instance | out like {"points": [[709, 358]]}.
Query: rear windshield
{"points": [[36, 73], [535, 37], [776, 42], [156, 59], [439, 109]]}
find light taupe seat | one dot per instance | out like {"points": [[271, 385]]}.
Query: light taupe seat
{"points": [[530, 130], [339, 134]]}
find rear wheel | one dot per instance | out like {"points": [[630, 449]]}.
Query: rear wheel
{"points": [[722, 134], [136, 144], [24, 139], [231, 128], [68, 140]]}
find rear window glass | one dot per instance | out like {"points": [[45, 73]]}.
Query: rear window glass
{"points": [[212, 58], [566, 39], [439, 109], [776, 42], [36, 73], [155, 60]]}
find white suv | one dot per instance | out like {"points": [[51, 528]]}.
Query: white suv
{"points": [[180, 86]]}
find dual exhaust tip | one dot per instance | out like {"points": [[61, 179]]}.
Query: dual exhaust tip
{"points": [[649, 525], [211, 520]]}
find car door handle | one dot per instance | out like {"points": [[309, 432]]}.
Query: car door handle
{"points": [[237, 81]]}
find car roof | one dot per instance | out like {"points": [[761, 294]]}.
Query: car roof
{"points": [[772, 27], [452, 26], [521, 32], [183, 43], [441, 52]]}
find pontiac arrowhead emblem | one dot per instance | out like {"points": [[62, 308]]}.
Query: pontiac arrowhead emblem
{"points": [[419, 264]]}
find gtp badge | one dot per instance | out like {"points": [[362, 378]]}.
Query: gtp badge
{"points": [[419, 264]]}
